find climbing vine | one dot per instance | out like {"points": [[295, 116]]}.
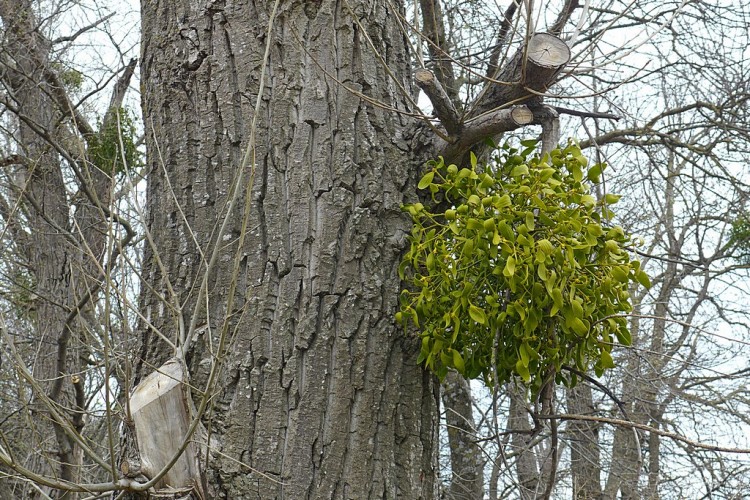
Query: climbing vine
{"points": [[517, 269]]}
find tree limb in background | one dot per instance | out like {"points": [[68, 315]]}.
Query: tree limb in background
{"points": [[559, 24], [434, 31], [502, 35]]}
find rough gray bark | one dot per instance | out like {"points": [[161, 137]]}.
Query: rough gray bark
{"points": [[467, 464], [585, 459], [320, 395], [529, 482], [50, 256]]}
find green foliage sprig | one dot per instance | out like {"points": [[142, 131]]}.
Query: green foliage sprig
{"points": [[115, 144], [523, 272], [739, 239]]}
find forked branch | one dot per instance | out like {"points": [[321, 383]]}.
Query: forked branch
{"points": [[434, 31], [529, 73], [441, 101]]}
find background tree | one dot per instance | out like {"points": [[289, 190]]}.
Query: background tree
{"points": [[61, 239]]}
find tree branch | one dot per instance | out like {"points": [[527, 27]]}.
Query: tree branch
{"points": [[648, 428], [529, 73], [550, 130], [118, 93], [434, 31], [70, 38], [586, 114], [502, 34], [483, 127], [559, 24], [441, 101], [59, 94]]}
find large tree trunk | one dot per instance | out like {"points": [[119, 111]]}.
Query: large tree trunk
{"points": [[320, 395]]}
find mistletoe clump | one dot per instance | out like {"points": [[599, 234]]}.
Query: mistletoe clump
{"points": [[114, 146], [518, 270]]}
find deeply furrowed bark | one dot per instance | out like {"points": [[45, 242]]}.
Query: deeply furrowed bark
{"points": [[320, 396]]}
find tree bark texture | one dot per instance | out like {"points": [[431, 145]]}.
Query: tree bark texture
{"points": [[585, 459], [320, 396], [527, 472], [467, 464], [47, 242]]}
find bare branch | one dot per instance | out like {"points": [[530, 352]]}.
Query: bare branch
{"points": [[441, 102], [647, 428], [434, 30], [72, 37], [559, 24], [586, 114], [483, 127], [118, 94], [502, 35], [60, 95]]}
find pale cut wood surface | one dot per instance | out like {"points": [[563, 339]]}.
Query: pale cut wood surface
{"points": [[161, 418]]}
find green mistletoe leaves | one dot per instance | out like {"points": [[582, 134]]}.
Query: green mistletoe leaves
{"points": [[518, 269]]}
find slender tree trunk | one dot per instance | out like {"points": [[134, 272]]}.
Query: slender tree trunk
{"points": [[585, 460], [625, 468], [521, 443], [467, 464], [644, 382], [320, 395]]}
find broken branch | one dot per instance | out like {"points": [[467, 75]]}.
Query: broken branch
{"points": [[483, 127], [530, 72], [441, 102]]}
